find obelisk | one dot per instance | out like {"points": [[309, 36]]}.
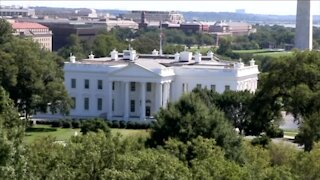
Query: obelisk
{"points": [[303, 33]]}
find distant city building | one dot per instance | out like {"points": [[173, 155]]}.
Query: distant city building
{"points": [[82, 13], [131, 86], [169, 16], [63, 28], [36, 31], [232, 28], [16, 11], [120, 23], [241, 11]]}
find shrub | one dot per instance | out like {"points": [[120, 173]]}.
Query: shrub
{"points": [[130, 125], [66, 124], [274, 132], [44, 122], [115, 124], [56, 123], [109, 123], [261, 140], [75, 124], [94, 125], [122, 124]]}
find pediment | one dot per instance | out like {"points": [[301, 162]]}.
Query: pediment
{"points": [[133, 70]]}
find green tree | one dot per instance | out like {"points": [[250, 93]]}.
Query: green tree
{"points": [[104, 43], [12, 160], [5, 31], [74, 46], [236, 106], [309, 131], [189, 118], [32, 77], [291, 84]]}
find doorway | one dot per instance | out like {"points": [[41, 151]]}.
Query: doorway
{"points": [[148, 111]]}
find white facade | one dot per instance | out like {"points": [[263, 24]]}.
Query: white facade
{"points": [[128, 87]]}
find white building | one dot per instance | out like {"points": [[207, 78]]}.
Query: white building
{"points": [[128, 86]]}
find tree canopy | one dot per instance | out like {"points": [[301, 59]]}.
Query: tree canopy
{"points": [[32, 76], [189, 118]]}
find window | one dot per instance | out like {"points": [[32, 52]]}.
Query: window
{"points": [[99, 104], [86, 103], [73, 83], [100, 84], [112, 104], [213, 87], [86, 83], [227, 88], [133, 86], [184, 87], [198, 86], [113, 86], [132, 106], [149, 87], [74, 102]]}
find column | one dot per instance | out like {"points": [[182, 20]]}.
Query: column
{"points": [[165, 94], [158, 96], [169, 91], [143, 101], [110, 100], [126, 101]]}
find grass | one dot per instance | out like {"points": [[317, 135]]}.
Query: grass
{"points": [[62, 134], [251, 51], [263, 52], [40, 131], [290, 132], [274, 54]]}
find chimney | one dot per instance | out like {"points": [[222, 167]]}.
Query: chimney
{"points": [[132, 55], [72, 58], [91, 56], [197, 57], [240, 64], [114, 55], [185, 56], [252, 61], [176, 56], [210, 54], [155, 53]]}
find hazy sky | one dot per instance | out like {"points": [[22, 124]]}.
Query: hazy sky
{"points": [[287, 7]]}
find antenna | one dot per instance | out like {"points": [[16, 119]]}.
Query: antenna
{"points": [[160, 50]]}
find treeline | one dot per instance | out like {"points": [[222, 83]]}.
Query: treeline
{"points": [[144, 41]]}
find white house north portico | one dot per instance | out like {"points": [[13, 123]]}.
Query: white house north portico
{"points": [[127, 87]]}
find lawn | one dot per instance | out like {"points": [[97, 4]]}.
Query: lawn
{"points": [[274, 54], [263, 52], [61, 134], [251, 51], [289, 132]]}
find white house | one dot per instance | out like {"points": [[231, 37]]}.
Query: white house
{"points": [[131, 86]]}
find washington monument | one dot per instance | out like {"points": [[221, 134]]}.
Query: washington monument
{"points": [[303, 34]]}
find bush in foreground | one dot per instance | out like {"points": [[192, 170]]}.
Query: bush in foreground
{"points": [[94, 125]]}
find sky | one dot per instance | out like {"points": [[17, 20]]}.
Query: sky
{"points": [[276, 7]]}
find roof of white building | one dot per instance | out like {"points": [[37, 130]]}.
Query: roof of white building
{"points": [[160, 65]]}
